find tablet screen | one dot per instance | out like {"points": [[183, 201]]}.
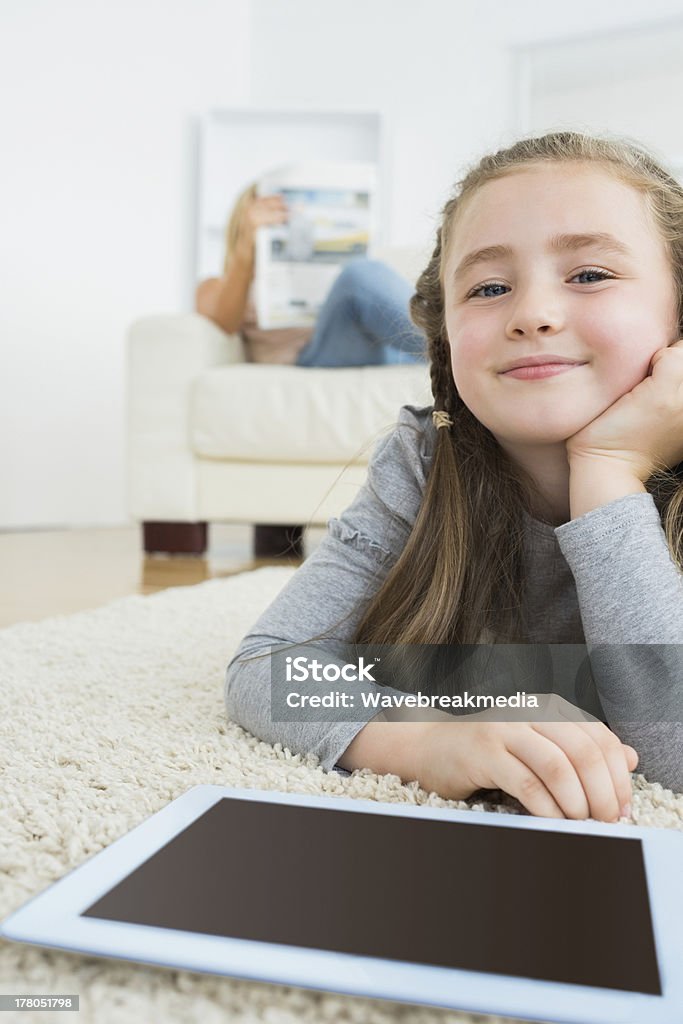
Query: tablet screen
{"points": [[552, 906]]}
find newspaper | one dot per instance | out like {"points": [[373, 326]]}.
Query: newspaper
{"points": [[331, 221]]}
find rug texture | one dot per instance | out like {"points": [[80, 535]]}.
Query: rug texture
{"points": [[108, 715]]}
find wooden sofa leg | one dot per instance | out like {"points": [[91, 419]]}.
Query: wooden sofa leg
{"points": [[278, 541], [174, 538]]}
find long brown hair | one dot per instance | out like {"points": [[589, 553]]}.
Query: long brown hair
{"points": [[461, 574]]}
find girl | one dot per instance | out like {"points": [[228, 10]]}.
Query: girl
{"points": [[537, 501]]}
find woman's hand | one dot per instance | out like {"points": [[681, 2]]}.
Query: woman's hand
{"points": [[643, 430], [259, 212], [556, 769]]}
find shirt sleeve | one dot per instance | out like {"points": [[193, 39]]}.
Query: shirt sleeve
{"points": [[630, 595], [330, 592]]}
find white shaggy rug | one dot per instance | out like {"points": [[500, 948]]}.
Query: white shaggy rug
{"points": [[108, 715]]}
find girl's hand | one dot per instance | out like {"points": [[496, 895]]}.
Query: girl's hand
{"points": [[643, 430], [558, 769], [259, 212]]}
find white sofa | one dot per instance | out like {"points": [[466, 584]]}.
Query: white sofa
{"points": [[213, 438]]}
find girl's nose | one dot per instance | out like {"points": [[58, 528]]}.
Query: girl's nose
{"points": [[533, 313]]}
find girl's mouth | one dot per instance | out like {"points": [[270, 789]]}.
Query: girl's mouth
{"points": [[539, 372]]}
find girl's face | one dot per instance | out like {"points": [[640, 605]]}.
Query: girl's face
{"points": [[608, 303]]}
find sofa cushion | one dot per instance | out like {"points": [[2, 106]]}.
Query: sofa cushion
{"points": [[273, 413]]}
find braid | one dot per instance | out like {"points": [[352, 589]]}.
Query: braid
{"points": [[441, 383], [427, 310]]}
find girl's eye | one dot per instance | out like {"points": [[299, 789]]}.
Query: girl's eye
{"points": [[594, 272], [491, 284], [601, 275]]}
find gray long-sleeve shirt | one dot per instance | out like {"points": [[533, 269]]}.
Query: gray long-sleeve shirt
{"points": [[606, 577]]}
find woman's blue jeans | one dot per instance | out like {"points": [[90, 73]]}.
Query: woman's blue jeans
{"points": [[364, 321]]}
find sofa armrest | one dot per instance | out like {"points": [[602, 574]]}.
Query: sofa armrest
{"points": [[164, 354]]}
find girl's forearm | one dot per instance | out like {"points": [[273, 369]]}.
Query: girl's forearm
{"points": [[224, 299], [386, 748]]}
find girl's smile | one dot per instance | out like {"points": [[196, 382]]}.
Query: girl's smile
{"points": [[538, 370]]}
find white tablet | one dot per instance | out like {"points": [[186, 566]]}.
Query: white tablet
{"points": [[491, 913]]}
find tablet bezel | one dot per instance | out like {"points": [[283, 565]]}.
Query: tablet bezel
{"points": [[55, 913]]}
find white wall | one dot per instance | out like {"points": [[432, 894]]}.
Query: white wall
{"points": [[96, 173], [97, 101]]}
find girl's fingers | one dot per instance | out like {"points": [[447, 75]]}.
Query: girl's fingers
{"points": [[546, 759], [516, 778], [631, 755], [598, 763], [619, 758]]}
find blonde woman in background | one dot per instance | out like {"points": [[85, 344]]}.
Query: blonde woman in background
{"points": [[364, 321]]}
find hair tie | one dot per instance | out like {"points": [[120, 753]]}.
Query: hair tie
{"points": [[441, 419]]}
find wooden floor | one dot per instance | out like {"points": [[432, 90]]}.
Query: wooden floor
{"points": [[56, 572]]}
